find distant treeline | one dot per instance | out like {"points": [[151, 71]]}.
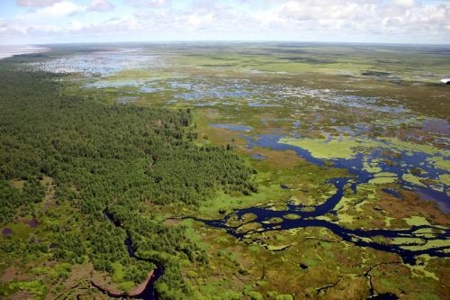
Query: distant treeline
{"points": [[122, 158]]}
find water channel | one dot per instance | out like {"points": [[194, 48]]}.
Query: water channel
{"points": [[149, 292], [308, 215]]}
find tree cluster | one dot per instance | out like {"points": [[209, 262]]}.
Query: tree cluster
{"points": [[117, 158]]}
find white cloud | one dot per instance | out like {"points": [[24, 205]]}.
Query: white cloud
{"points": [[266, 18], [375, 20], [148, 3], [63, 9], [361, 17], [405, 3], [100, 5], [75, 25], [198, 20], [57, 10], [326, 10], [36, 3]]}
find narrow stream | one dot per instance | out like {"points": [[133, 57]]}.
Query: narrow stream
{"points": [[149, 292]]}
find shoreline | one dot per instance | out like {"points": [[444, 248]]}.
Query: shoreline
{"points": [[113, 292], [13, 50]]}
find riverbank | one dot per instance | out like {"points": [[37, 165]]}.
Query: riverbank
{"points": [[115, 292]]}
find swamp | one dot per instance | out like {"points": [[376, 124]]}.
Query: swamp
{"points": [[225, 171]]}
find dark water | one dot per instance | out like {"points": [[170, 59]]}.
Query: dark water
{"points": [[392, 192], [309, 214], [399, 165], [355, 236], [149, 293], [387, 296]]}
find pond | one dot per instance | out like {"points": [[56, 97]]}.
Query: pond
{"points": [[232, 127]]}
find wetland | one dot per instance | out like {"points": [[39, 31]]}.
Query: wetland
{"points": [[236, 171]]}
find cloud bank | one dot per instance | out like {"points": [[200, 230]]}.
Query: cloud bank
{"points": [[409, 21]]}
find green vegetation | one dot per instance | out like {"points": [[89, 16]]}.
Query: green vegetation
{"points": [[118, 158], [321, 149], [109, 160]]}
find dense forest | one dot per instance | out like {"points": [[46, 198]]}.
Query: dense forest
{"points": [[66, 160]]}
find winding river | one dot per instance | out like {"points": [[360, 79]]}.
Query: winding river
{"points": [[308, 215], [148, 292], [359, 237], [355, 236]]}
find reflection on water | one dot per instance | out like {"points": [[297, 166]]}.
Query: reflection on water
{"points": [[259, 104], [100, 63], [232, 127], [437, 126], [400, 165], [392, 192], [308, 218], [201, 91], [202, 104], [364, 238]]}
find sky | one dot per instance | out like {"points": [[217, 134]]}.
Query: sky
{"points": [[369, 21]]}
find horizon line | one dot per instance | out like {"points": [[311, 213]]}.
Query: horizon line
{"points": [[231, 41]]}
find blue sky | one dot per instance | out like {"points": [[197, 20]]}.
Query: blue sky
{"points": [[371, 21]]}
